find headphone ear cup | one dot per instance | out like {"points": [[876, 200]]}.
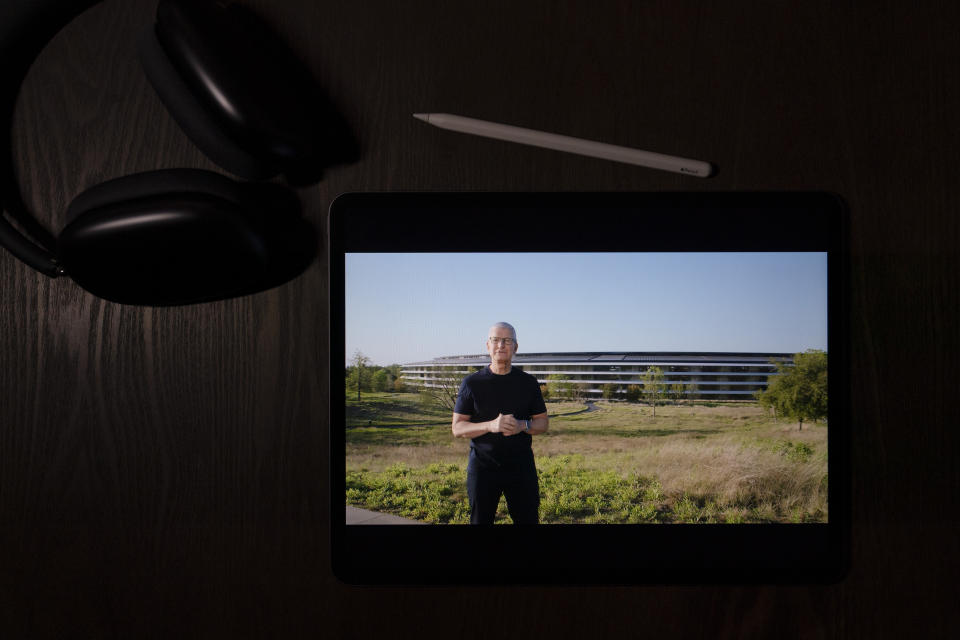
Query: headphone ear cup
{"points": [[227, 65], [194, 119], [150, 184], [182, 236]]}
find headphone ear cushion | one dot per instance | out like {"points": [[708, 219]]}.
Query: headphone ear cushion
{"points": [[194, 119], [248, 80], [181, 236], [150, 184]]}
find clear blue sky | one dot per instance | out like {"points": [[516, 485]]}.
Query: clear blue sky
{"points": [[415, 306]]}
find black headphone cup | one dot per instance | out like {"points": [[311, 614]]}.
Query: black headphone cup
{"points": [[194, 119], [232, 68], [155, 184], [338, 143], [134, 244]]}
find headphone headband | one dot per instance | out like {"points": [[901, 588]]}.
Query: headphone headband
{"points": [[26, 26]]}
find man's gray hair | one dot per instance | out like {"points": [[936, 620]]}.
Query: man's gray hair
{"points": [[504, 325]]}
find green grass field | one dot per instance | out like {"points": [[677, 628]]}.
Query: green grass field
{"points": [[710, 463]]}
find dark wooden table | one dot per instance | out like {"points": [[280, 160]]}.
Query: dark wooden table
{"points": [[164, 471]]}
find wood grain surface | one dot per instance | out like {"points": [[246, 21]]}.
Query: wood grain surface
{"points": [[163, 471]]}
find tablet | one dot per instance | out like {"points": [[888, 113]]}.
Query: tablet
{"points": [[677, 377]]}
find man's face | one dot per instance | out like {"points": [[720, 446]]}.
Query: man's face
{"points": [[500, 345]]}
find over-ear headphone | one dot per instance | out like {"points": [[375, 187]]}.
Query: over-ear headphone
{"points": [[180, 236]]}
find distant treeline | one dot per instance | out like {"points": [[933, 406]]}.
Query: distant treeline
{"points": [[375, 378], [798, 391]]}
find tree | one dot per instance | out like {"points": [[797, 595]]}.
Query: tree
{"points": [[799, 390], [609, 391], [580, 391], [633, 393], [393, 382], [443, 388], [560, 387], [545, 392], [395, 370], [692, 389], [653, 387], [360, 363], [381, 380], [677, 392]]}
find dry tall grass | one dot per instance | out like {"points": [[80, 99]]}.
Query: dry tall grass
{"points": [[728, 458], [732, 462]]}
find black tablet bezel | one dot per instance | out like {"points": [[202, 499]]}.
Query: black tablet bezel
{"points": [[587, 554]]}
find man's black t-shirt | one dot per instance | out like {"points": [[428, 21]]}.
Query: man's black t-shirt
{"points": [[484, 395]]}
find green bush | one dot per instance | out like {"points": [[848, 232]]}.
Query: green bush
{"points": [[799, 452]]}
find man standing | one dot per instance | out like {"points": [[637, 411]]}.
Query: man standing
{"points": [[499, 408]]}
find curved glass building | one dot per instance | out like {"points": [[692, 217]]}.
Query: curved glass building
{"points": [[714, 375]]}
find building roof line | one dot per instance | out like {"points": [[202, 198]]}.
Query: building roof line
{"points": [[617, 356]]}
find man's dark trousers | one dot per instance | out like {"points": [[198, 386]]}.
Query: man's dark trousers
{"points": [[518, 482]]}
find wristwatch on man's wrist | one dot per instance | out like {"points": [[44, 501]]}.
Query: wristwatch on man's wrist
{"points": [[526, 425]]}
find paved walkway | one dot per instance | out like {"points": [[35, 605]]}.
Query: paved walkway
{"points": [[362, 516]]}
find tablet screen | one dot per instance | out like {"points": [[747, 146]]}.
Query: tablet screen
{"points": [[676, 358], [655, 370]]}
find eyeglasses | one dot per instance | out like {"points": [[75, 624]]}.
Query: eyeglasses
{"points": [[506, 341]]}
